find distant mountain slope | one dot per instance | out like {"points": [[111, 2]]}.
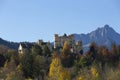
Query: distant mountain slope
{"points": [[11, 45], [102, 36]]}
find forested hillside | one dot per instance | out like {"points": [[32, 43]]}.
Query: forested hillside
{"points": [[39, 63]]}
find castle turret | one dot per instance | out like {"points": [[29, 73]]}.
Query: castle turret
{"points": [[55, 40], [40, 42], [60, 40]]}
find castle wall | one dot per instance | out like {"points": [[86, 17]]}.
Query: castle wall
{"points": [[60, 40]]}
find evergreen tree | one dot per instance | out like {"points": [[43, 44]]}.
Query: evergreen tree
{"points": [[27, 65], [39, 67], [46, 51], [36, 49]]}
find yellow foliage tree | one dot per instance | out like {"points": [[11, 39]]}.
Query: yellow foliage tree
{"points": [[57, 72], [66, 49], [55, 68], [64, 75], [67, 59], [95, 73]]}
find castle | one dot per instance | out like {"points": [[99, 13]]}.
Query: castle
{"points": [[59, 41], [76, 47], [23, 47]]}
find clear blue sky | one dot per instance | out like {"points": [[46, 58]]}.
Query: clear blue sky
{"points": [[30, 20]]}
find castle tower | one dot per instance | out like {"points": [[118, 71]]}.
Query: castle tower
{"points": [[60, 40], [78, 47], [40, 42], [55, 40]]}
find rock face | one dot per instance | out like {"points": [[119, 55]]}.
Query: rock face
{"points": [[102, 36]]}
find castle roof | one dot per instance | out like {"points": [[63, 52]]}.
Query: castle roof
{"points": [[26, 45]]}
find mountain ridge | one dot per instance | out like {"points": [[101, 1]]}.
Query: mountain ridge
{"points": [[102, 36], [12, 45]]}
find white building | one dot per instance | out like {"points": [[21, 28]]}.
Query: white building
{"points": [[23, 47]]}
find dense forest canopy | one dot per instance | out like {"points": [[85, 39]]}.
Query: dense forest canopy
{"points": [[98, 63]]}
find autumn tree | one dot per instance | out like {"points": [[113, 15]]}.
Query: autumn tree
{"points": [[10, 71], [12, 53], [55, 68], [93, 50], [80, 64], [114, 49], [118, 53], [114, 56], [3, 49], [13, 72], [91, 54], [67, 59], [57, 72]]}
